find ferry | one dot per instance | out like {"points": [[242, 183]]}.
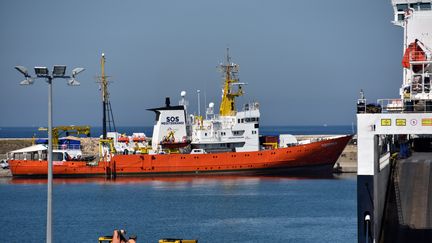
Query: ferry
{"points": [[224, 142], [394, 186]]}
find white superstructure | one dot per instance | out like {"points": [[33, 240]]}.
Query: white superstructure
{"points": [[238, 133], [416, 20]]}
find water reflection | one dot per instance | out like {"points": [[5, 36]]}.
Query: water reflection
{"points": [[175, 181]]}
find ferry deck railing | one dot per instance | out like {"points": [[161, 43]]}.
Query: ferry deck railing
{"points": [[395, 106]]}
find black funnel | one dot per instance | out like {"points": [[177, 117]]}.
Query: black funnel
{"points": [[167, 101]]}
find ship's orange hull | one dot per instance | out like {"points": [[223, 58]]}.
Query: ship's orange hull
{"points": [[314, 157]]}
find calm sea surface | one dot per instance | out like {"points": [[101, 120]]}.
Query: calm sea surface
{"points": [[210, 209]]}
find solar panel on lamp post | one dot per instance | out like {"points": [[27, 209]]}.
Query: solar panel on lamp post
{"points": [[43, 72]]}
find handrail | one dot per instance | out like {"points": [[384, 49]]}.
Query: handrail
{"points": [[395, 106]]}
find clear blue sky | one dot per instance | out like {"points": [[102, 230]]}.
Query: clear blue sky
{"points": [[304, 61]]}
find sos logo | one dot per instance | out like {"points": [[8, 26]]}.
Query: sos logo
{"points": [[171, 119]]}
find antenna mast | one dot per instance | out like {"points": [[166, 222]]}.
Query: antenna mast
{"points": [[107, 116], [230, 72]]}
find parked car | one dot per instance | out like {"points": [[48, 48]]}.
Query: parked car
{"points": [[4, 164]]}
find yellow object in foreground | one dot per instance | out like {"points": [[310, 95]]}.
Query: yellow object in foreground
{"points": [[177, 241]]}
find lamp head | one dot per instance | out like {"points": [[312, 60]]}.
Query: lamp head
{"points": [[59, 71], [41, 72], [76, 71], [22, 70], [27, 81], [73, 82]]}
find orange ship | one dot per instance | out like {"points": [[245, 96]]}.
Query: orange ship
{"points": [[313, 158], [223, 143]]}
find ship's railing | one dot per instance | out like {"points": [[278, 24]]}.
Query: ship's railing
{"points": [[67, 147], [251, 106], [395, 106], [420, 57], [420, 84]]}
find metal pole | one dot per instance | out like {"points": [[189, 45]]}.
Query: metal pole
{"points": [[199, 107], [50, 172]]}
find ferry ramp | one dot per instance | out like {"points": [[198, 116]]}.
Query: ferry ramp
{"points": [[408, 213]]}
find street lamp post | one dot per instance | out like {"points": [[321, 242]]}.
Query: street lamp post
{"points": [[43, 72]]}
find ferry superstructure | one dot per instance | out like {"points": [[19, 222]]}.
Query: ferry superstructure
{"points": [[394, 142]]}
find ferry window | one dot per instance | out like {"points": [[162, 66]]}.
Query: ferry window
{"points": [[257, 119], [414, 6], [401, 7], [205, 134], [57, 157], [242, 120], [401, 17], [425, 6], [256, 125], [238, 121]]}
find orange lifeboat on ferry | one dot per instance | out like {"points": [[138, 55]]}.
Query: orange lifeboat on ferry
{"points": [[414, 52]]}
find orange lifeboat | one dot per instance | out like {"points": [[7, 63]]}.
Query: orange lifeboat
{"points": [[123, 139], [414, 52], [138, 139]]}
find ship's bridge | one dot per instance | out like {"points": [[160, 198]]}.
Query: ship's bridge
{"points": [[401, 6]]}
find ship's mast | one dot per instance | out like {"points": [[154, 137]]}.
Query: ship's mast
{"points": [[230, 71], [107, 115]]}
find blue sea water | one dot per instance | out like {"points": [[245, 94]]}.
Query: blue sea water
{"points": [[210, 209], [28, 132]]}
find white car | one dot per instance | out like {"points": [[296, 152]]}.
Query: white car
{"points": [[198, 151], [4, 164]]}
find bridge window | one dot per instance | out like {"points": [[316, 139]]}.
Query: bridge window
{"points": [[401, 7], [425, 6]]}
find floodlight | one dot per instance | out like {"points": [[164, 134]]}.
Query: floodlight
{"points": [[41, 71], [27, 81], [59, 70], [73, 82], [77, 71], [22, 70]]}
